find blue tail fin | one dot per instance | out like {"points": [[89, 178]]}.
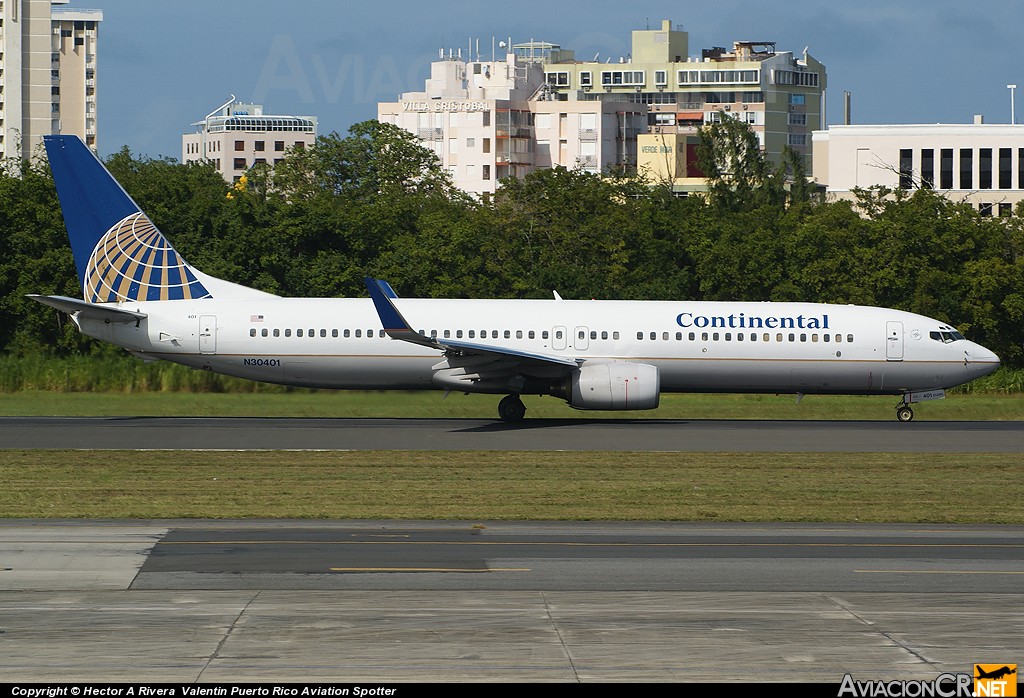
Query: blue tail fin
{"points": [[120, 255]]}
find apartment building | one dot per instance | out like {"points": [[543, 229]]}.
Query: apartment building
{"points": [[781, 95], [47, 73], [490, 119], [236, 135]]}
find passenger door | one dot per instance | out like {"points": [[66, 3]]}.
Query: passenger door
{"points": [[894, 340]]}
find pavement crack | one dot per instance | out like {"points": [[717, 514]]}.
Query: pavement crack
{"points": [[913, 652], [558, 633], [231, 629]]}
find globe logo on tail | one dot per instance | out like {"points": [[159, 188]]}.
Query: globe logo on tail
{"points": [[133, 261]]}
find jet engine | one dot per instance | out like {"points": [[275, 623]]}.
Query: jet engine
{"points": [[612, 386]]}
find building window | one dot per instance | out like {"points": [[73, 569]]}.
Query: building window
{"points": [[487, 145], [279, 146], [927, 168], [239, 163], [967, 168], [797, 139], [487, 172], [586, 79], [557, 79], [798, 119], [660, 77], [470, 142], [1020, 168], [486, 118], [612, 78], [239, 146], [1005, 210], [985, 209], [259, 146], [797, 100], [946, 168], [1005, 168], [906, 168], [985, 170]]}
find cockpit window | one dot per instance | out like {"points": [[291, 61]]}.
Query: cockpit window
{"points": [[945, 336]]}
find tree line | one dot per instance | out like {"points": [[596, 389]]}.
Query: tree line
{"points": [[375, 202]]}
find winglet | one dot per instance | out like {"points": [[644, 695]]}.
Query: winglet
{"points": [[395, 325]]}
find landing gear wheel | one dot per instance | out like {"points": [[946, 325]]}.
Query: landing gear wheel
{"points": [[904, 413], [511, 409]]}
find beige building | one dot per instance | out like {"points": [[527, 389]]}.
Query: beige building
{"points": [[487, 120], [980, 164], [779, 94], [47, 73], [235, 136]]}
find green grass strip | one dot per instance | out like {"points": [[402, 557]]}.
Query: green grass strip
{"points": [[480, 486]]}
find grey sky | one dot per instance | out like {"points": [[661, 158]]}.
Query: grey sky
{"points": [[164, 65]]}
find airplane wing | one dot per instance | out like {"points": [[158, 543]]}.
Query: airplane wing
{"points": [[88, 310], [397, 327]]}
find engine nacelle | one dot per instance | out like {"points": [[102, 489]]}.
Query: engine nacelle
{"points": [[614, 386]]}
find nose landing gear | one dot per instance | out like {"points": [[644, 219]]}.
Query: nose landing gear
{"points": [[903, 412]]}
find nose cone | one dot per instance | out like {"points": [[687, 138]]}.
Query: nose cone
{"points": [[982, 360]]}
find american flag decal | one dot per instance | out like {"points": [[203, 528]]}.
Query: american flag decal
{"points": [[255, 318]]}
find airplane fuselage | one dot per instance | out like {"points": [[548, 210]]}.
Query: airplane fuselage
{"points": [[696, 346]]}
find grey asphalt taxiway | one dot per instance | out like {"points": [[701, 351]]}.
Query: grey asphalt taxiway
{"points": [[387, 601], [244, 433]]}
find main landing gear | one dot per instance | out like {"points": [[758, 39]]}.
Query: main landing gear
{"points": [[903, 412], [511, 408]]}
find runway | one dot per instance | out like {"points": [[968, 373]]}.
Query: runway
{"points": [[242, 433], [359, 601]]}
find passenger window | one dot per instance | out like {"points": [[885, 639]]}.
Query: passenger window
{"points": [[544, 334], [739, 336], [298, 333], [312, 333], [519, 334], [615, 335], [792, 337], [277, 332], [839, 338], [593, 334], [803, 337], [825, 338], [654, 335], [753, 336], [639, 335], [288, 332], [728, 336], [494, 334], [532, 334], [604, 334], [359, 333], [692, 336], [458, 334], [323, 333], [814, 337], [704, 336], [369, 333], [508, 334], [558, 334], [334, 333], [664, 336], [766, 337], [264, 332], [347, 333], [252, 332], [849, 338], [447, 334]]}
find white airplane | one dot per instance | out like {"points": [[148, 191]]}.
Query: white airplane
{"points": [[596, 355]]}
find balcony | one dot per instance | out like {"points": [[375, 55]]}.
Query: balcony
{"points": [[430, 134], [588, 134]]}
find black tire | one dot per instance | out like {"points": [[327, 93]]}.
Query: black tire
{"points": [[904, 414], [511, 409]]}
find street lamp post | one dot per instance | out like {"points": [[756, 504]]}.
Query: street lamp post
{"points": [[1013, 114]]}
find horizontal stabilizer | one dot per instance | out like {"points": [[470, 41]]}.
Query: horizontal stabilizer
{"points": [[89, 310]]}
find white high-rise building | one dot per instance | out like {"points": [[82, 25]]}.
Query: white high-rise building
{"points": [[235, 136], [47, 73]]}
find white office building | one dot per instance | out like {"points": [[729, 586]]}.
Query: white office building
{"points": [[980, 164], [47, 73]]}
